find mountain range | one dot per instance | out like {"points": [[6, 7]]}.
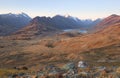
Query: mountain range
{"points": [[47, 25], [22, 23]]}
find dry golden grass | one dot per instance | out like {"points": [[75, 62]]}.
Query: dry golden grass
{"points": [[36, 51]]}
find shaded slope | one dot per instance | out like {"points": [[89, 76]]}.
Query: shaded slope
{"points": [[10, 23]]}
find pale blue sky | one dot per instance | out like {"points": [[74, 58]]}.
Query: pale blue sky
{"points": [[79, 8]]}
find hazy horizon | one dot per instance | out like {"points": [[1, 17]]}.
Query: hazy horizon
{"points": [[83, 9]]}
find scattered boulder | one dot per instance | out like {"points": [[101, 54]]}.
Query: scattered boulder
{"points": [[82, 64]]}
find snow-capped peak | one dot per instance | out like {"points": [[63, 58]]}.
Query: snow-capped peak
{"points": [[18, 14], [66, 16], [71, 17], [24, 14]]}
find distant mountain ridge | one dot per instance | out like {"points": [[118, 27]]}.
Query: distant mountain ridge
{"points": [[10, 23]]}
